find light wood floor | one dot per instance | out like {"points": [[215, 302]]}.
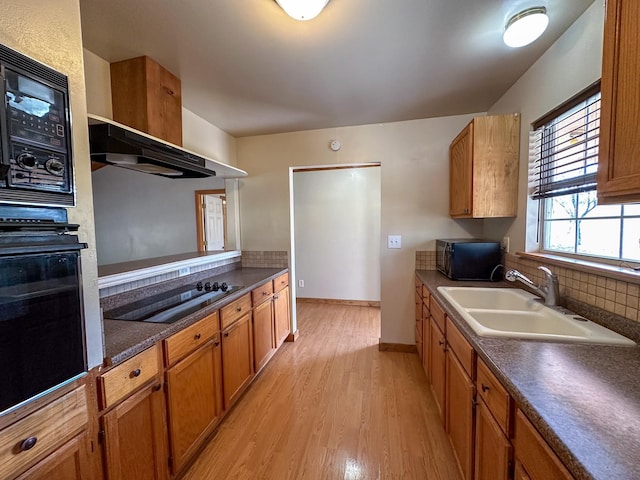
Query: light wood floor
{"points": [[331, 406]]}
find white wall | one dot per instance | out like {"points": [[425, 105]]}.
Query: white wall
{"points": [[571, 64], [50, 33], [414, 196], [337, 233], [144, 216]]}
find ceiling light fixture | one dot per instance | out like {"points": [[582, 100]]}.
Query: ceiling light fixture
{"points": [[525, 27], [302, 9]]}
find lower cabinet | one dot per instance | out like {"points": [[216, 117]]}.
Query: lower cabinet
{"points": [[282, 316], [67, 463], [237, 359], [459, 414], [438, 367], [263, 334], [135, 437], [493, 449], [194, 400]]}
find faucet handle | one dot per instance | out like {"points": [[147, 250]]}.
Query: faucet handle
{"points": [[548, 273]]}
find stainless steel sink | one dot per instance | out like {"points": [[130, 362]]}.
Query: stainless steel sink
{"points": [[515, 313]]}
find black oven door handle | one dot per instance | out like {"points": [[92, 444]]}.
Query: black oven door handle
{"points": [[35, 249]]}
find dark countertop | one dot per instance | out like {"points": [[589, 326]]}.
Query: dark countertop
{"points": [[583, 398], [124, 339]]}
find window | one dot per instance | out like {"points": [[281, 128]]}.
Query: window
{"points": [[564, 161]]}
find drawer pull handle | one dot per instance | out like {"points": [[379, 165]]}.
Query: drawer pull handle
{"points": [[136, 373], [440, 342], [217, 342], [264, 294], [28, 443], [197, 336], [226, 334], [485, 388], [238, 309]]}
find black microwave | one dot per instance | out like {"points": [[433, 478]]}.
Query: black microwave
{"points": [[469, 259]]}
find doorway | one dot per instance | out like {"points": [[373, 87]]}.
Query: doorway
{"points": [[211, 220]]}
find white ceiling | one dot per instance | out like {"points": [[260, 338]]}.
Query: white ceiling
{"points": [[249, 69]]}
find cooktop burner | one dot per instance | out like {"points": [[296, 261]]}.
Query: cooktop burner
{"points": [[171, 306]]}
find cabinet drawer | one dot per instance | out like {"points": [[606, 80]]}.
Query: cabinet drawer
{"points": [[51, 427], [495, 396], [235, 310], [437, 313], [280, 282], [261, 294], [418, 283], [462, 349], [189, 339], [123, 379], [535, 455]]}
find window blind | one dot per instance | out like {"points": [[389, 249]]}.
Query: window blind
{"points": [[563, 149]]}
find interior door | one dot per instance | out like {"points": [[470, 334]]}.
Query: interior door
{"points": [[214, 222]]}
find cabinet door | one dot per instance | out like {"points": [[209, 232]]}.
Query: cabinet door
{"points": [[69, 462], [263, 334], [282, 317], [237, 359], [619, 151], [493, 450], [135, 437], [193, 387], [461, 173], [426, 343], [459, 413], [438, 367]]}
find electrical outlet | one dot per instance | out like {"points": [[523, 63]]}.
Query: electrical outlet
{"points": [[505, 244], [301, 283], [184, 271], [394, 241]]}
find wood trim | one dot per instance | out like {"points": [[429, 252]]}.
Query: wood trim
{"points": [[292, 337], [568, 105], [397, 347], [200, 216], [333, 301]]}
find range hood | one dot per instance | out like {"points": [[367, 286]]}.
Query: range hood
{"points": [[116, 144]]}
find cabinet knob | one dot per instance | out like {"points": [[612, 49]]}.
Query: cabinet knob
{"points": [[157, 387], [238, 309], [197, 336], [226, 334], [136, 373], [440, 342], [28, 443], [217, 342], [485, 388], [264, 294]]}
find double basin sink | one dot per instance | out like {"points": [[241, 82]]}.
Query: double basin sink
{"points": [[515, 313]]}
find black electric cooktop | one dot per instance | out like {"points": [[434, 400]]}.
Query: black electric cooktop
{"points": [[171, 306]]}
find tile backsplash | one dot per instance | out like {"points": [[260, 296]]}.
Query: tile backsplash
{"points": [[614, 296], [265, 259]]}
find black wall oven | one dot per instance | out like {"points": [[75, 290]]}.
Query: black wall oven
{"points": [[41, 313]]}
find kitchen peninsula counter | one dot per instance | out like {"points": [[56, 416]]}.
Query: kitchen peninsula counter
{"points": [[123, 339], [583, 398]]}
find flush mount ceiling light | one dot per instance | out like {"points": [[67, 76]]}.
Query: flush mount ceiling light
{"points": [[525, 27], [302, 9]]}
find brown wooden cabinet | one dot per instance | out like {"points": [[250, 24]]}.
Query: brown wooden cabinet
{"points": [[282, 316], [194, 400], [147, 97], [237, 359], [67, 463], [536, 458], [135, 437], [483, 173], [438, 367], [619, 151], [493, 451], [263, 334]]}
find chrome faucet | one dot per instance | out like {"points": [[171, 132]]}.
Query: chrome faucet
{"points": [[549, 291]]}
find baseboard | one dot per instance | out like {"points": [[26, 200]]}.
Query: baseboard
{"points": [[397, 347], [331, 301], [292, 337]]}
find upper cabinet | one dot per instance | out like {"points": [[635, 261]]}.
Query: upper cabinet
{"points": [[484, 160], [619, 162], [147, 97]]}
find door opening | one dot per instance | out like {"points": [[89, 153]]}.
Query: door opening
{"points": [[211, 220]]}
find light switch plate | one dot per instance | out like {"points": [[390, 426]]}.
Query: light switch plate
{"points": [[394, 241]]}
